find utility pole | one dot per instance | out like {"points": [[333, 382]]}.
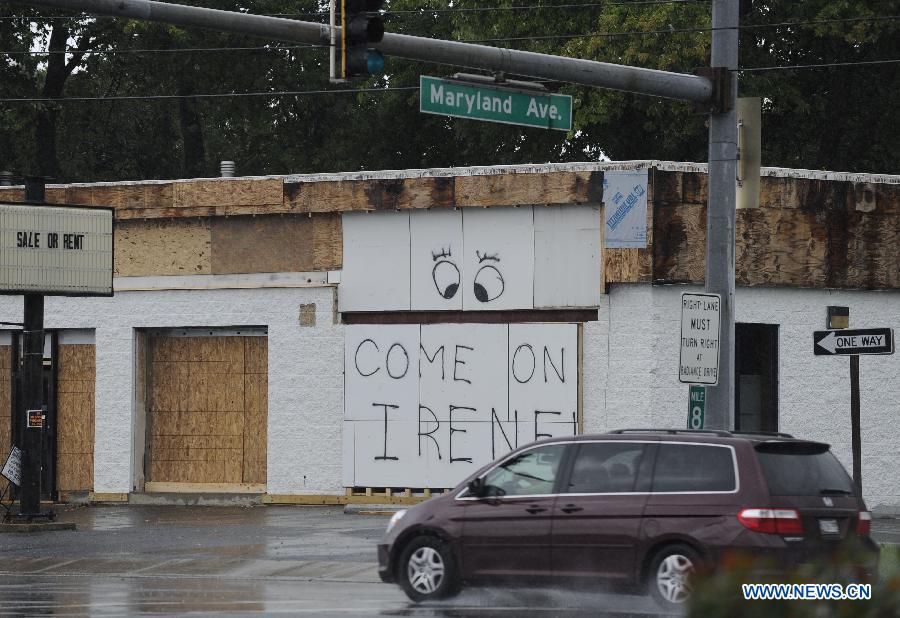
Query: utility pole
{"points": [[720, 209], [32, 386]]}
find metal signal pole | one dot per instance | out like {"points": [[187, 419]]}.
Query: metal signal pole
{"points": [[720, 209]]}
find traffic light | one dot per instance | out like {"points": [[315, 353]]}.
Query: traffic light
{"points": [[361, 26]]}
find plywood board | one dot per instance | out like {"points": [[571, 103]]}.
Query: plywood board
{"points": [[376, 274], [166, 247], [436, 255], [208, 409], [567, 256], [381, 372], [280, 243], [75, 417], [527, 189], [543, 380], [375, 194], [5, 405], [223, 193], [498, 261]]}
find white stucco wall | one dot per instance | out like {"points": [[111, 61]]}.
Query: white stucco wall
{"points": [[305, 372], [641, 387], [630, 372]]}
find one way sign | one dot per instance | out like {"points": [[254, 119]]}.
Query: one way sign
{"points": [[863, 341]]}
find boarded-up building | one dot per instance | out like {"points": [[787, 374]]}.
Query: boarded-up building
{"points": [[303, 337]]}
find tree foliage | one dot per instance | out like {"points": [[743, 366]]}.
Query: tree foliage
{"points": [[840, 117]]}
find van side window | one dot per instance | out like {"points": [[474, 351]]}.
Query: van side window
{"points": [[693, 467], [526, 474], [605, 467]]}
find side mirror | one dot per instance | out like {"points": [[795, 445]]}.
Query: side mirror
{"points": [[476, 487]]}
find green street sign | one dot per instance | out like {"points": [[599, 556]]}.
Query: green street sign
{"points": [[696, 407], [494, 104]]}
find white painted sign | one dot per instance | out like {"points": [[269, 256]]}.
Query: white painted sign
{"points": [[12, 470], [56, 250], [498, 267], [699, 359], [625, 201], [472, 259], [472, 393]]}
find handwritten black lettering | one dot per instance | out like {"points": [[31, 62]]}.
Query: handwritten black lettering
{"points": [[356, 359], [561, 372], [537, 413], [385, 406], [524, 346], [453, 431], [457, 362], [431, 359], [387, 361], [429, 434]]}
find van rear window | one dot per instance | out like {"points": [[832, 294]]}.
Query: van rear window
{"points": [[692, 468], [792, 474]]}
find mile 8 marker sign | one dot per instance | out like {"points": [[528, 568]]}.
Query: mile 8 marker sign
{"points": [[699, 358]]}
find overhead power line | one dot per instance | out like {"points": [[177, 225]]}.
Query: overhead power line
{"points": [[219, 95], [285, 93], [874, 18], [420, 11], [794, 67]]}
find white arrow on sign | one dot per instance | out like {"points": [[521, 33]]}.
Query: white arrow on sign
{"points": [[829, 342]]}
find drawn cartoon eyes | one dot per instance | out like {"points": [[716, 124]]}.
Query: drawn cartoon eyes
{"points": [[445, 274], [489, 283]]}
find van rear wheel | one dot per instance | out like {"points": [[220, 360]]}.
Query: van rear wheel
{"points": [[427, 570], [669, 576]]}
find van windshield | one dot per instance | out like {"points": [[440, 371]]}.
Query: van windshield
{"points": [[793, 474]]}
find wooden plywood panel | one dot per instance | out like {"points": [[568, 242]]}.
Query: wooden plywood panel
{"points": [[436, 255], [679, 251], [779, 247], [289, 243], [375, 275], [527, 189], [168, 247], [567, 256], [226, 196], [208, 410], [5, 403], [375, 194], [75, 417], [498, 268]]}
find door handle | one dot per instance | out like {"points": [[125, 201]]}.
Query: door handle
{"points": [[571, 508], [535, 509]]}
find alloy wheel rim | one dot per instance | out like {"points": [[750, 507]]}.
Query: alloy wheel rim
{"points": [[425, 570], [673, 578]]}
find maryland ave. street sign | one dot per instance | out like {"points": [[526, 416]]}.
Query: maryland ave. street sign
{"points": [[494, 104], [858, 341]]}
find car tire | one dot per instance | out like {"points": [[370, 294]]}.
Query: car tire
{"points": [[669, 573], [427, 570]]}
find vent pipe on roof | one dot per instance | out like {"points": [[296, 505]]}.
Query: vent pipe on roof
{"points": [[227, 169]]}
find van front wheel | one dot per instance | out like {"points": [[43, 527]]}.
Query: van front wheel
{"points": [[427, 570]]}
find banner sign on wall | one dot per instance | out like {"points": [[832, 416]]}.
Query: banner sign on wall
{"points": [[425, 406], [625, 217], [56, 250]]}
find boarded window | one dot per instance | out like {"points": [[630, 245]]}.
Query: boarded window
{"points": [[207, 409]]}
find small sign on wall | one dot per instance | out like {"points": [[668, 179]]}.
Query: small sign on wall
{"points": [[625, 200], [34, 419]]}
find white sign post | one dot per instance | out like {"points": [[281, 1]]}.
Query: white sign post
{"points": [[699, 359]]}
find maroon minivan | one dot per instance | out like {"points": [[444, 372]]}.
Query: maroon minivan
{"points": [[637, 507]]}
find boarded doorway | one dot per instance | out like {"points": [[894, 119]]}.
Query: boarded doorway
{"points": [[207, 411], [75, 380]]}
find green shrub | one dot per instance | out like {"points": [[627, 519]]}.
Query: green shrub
{"points": [[719, 593]]}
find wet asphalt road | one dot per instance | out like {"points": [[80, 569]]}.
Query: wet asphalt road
{"points": [[138, 560]]}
